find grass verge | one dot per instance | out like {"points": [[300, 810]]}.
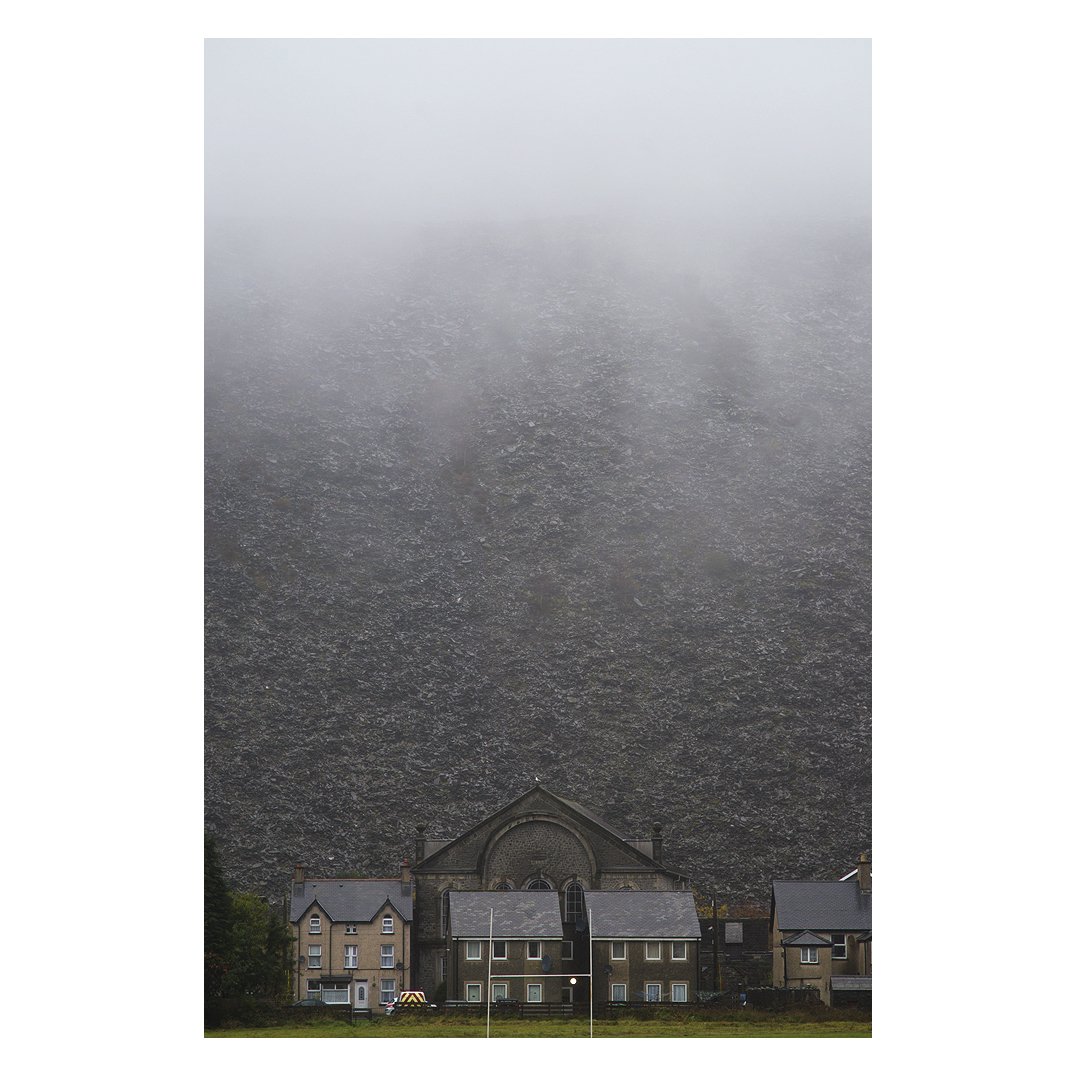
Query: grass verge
{"points": [[741, 1025]]}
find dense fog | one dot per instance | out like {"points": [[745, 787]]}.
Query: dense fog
{"points": [[431, 131]]}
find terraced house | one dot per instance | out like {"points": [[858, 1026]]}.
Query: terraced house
{"points": [[646, 946], [526, 960], [353, 939]]}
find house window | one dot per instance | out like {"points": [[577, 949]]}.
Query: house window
{"points": [[474, 951], [734, 932], [441, 969], [501, 951], [388, 991], [314, 988], [351, 929], [679, 992], [534, 950], [351, 957], [809, 955], [573, 901], [314, 957], [566, 950], [474, 993], [335, 994], [388, 957], [499, 992], [617, 951], [534, 992], [315, 925], [387, 925], [841, 950], [539, 884], [618, 992], [653, 993], [652, 951], [680, 951]]}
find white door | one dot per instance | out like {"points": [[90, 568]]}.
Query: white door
{"points": [[362, 997]]}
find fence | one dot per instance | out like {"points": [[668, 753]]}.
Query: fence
{"points": [[760, 999]]}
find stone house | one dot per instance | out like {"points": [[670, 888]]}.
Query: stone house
{"points": [[526, 957], [821, 935], [352, 939], [538, 842], [646, 946]]}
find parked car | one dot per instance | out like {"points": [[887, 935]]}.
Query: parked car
{"points": [[411, 1001], [310, 1002]]}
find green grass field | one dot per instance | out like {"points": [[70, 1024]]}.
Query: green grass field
{"points": [[740, 1025]]}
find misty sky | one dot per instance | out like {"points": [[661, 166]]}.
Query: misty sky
{"points": [[417, 131]]}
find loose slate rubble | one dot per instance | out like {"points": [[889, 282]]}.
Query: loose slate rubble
{"points": [[522, 506]]}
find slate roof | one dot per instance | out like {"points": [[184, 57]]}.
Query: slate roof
{"points": [[518, 914], [821, 906], [643, 914], [850, 983], [351, 900]]}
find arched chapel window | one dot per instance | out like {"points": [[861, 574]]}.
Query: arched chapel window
{"points": [[539, 884], [503, 886], [573, 901], [445, 911]]}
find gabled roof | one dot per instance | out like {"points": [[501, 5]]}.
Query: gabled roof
{"points": [[821, 906], [643, 914], [636, 855], [806, 938], [518, 914], [352, 900]]}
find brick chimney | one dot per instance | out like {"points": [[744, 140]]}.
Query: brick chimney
{"points": [[420, 842], [405, 878], [863, 873], [656, 843], [299, 879]]}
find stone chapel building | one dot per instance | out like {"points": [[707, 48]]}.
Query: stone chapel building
{"points": [[540, 841]]}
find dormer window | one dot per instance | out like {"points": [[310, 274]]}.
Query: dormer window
{"points": [[387, 925], [315, 925]]}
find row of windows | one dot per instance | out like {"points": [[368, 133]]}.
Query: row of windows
{"points": [[652, 992], [388, 926], [652, 951], [474, 950], [338, 992], [351, 957]]}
